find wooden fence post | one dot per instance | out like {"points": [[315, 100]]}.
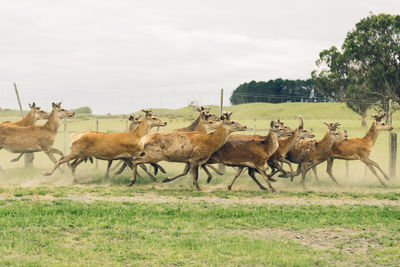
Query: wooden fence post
{"points": [[28, 156], [221, 166], [65, 136], [392, 154]]}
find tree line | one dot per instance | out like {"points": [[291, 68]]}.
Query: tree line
{"points": [[363, 73]]}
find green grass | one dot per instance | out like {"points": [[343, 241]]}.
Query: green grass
{"points": [[72, 233]]}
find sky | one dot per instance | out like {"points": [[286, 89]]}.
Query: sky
{"points": [[120, 56]]}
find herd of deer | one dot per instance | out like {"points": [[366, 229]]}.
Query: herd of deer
{"points": [[206, 141]]}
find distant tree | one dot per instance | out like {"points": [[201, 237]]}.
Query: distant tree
{"points": [[367, 69], [82, 110], [276, 91]]}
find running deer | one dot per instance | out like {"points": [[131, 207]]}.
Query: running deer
{"points": [[194, 148], [108, 146], [29, 139], [29, 120], [134, 123], [308, 153], [205, 123], [251, 152], [286, 144], [360, 148]]}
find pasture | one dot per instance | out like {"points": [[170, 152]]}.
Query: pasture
{"points": [[100, 221]]}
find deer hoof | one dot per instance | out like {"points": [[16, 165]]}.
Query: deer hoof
{"points": [[229, 187], [271, 179], [208, 180], [166, 180], [47, 174]]}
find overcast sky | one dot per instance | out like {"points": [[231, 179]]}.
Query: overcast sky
{"points": [[119, 56]]}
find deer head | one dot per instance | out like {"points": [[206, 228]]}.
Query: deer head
{"points": [[38, 114], [335, 135], [62, 113], [380, 125], [210, 121], [151, 120], [230, 125], [303, 133], [135, 121], [280, 129]]}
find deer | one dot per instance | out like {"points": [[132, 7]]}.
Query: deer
{"points": [[286, 144], [134, 123], [108, 146], [29, 120], [29, 139], [194, 148], [309, 153], [360, 148], [206, 122], [251, 152]]}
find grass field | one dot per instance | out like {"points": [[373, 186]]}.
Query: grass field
{"points": [[99, 221]]}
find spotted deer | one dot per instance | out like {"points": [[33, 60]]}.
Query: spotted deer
{"points": [[193, 148]]}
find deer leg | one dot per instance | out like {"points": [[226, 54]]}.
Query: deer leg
{"points": [[371, 168], [290, 167], [185, 171], [237, 174], [122, 168], [252, 175], [57, 164], [109, 162], [134, 172], [375, 164], [141, 165], [329, 165], [314, 169], [266, 178], [215, 169], [74, 165], [159, 167], [209, 176], [194, 170], [304, 170], [17, 158], [117, 165]]}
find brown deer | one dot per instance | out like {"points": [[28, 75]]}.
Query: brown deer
{"points": [[194, 148], [308, 153], [360, 148], [252, 153], [108, 146], [29, 139], [206, 122], [286, 144], [29, 120], [134, 123]]}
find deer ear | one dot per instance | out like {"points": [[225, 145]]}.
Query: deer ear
{"points": [[30, 106], [33, 104], [272, 124], [59, 104], [130, 117], [53, 105], [222, 118]]}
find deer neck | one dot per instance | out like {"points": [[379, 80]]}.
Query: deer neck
{"points": [[28, 120], [218, 138], [323, 145], [372, 134], [53, 122], [289, 142], [142, 129], [271, 142]]}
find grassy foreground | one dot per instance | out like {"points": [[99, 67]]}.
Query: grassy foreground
{"points": [[110, 233]]}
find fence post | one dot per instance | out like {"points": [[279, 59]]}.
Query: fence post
{"points": [[393, 154], [255, 129], [97, 129]]}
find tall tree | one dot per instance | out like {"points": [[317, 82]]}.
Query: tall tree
{"points": [[367, 69]]}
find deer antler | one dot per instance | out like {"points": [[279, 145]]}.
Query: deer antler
{"points": [[227, 114], [300, 118]]}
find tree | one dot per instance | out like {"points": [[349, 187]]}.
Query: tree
{"points": [[82, 110], [276, 91], [367, 69]]}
